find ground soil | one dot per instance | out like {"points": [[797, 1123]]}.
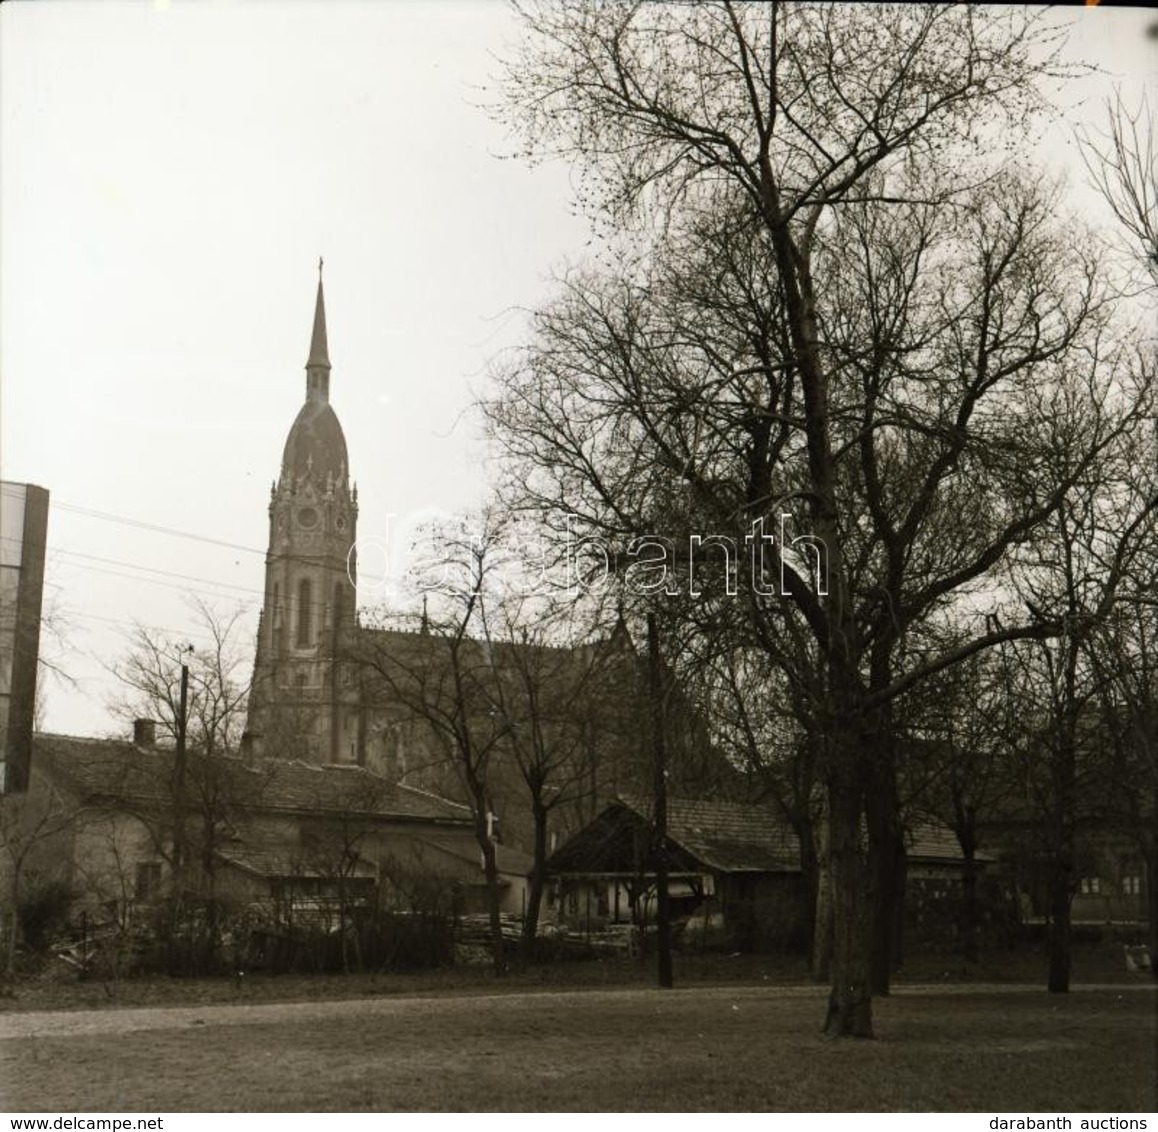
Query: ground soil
{"points": [[700, 1048], [735, 1034], [56, 985]]}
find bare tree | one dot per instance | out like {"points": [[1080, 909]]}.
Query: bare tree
{"points": [[895, 334], [1125, 654], [338, 845], [1103, 535], [556, 696], [29, 823], [207, 789], [441, 677], [1123, 166], [151, 674]]}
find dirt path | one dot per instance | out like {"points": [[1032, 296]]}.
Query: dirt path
{"points": [[124, 1020], [67, 1023]]}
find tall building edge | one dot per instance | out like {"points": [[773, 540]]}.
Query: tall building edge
{"points": [[23, 540]]}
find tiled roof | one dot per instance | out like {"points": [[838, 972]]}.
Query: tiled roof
{"points": [[928, 840], [510, 861], [278, 862], [115, 771], [342, 789], [104, 769], [467, 861], [728, 837], [732, 837]]}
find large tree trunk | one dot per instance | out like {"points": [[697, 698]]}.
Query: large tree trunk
{"points": [[491, 872], [970, 930], [821, 957], [969, 920], [1151, 880], [1060, 893], [538, 878], [886, 835], [1061, 879], [850, 996], [659, 836], [1060, 883], [13, 926], [1150, 862], [810, 879], [888, 869]]}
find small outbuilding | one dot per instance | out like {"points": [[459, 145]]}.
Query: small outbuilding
{"points": [[733, 868]]}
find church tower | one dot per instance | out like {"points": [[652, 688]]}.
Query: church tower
{"points": [[303, 704]]}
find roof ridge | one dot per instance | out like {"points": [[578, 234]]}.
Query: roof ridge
{"points": [[430, 794]]}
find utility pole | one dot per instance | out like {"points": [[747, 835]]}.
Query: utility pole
{"points": [[659, 826], [179, 802], [179, 786]]}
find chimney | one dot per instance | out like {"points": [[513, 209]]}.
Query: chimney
{"points": [[247, 744], [145, 732]]}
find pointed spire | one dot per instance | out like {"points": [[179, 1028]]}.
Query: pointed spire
{"points": [[319, 348], [318, 365]]}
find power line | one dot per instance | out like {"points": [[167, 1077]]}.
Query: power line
{"points": [[289, 601], [141, 524], [139, 625], [153, 570], [156, 581]]}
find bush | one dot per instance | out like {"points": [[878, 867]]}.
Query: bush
{"points": [[386, 941], [407, 941], [43, 915]]}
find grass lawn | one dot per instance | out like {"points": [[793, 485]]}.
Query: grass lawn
{"points": [[700, 1047], [57, 988]]}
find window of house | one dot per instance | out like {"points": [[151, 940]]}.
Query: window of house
{"points": [[305, 600], [148, 879], [1131, 885], [1090, 886]]}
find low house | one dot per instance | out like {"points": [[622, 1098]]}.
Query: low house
{"points": [[736, 861], [733, 864], [463, 862], [1110, 880], [284, 841]]}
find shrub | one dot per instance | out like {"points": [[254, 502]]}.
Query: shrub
{"points": [[43, 915]]}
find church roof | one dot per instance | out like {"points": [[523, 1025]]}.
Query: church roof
{"points": [[316, 444]]}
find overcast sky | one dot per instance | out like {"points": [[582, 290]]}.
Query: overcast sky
{"points": [[169, 175]]}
